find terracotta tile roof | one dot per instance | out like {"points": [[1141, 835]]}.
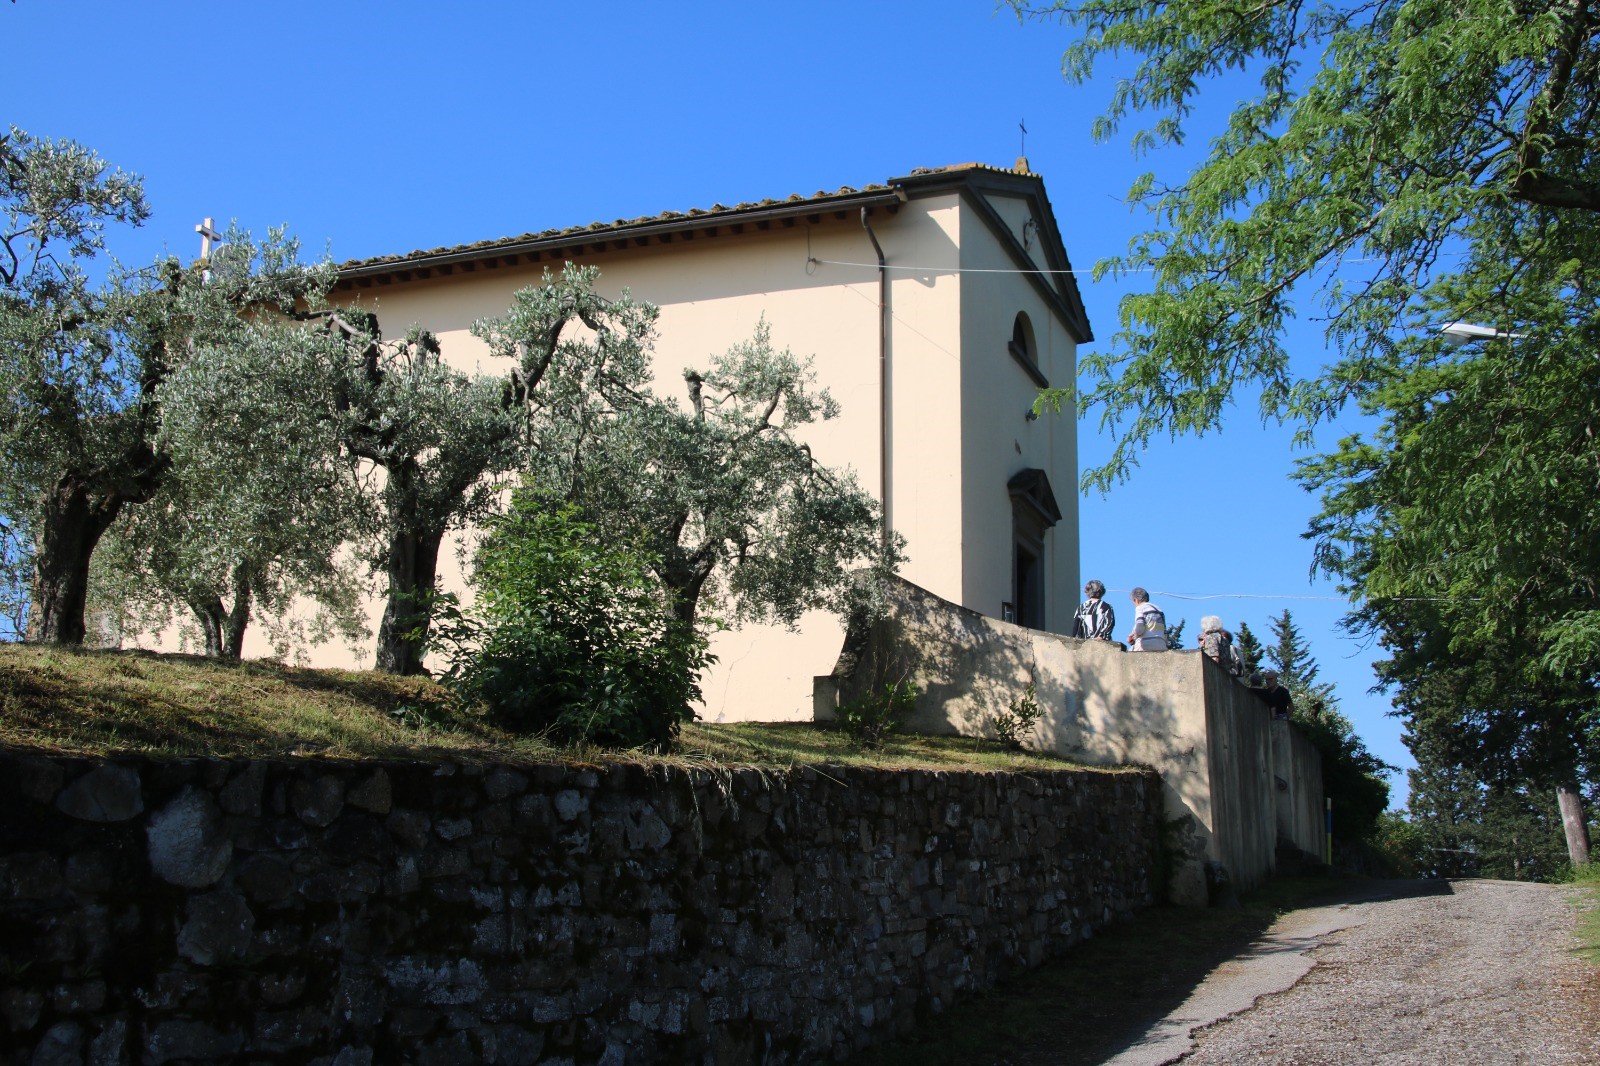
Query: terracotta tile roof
{"points": [[821, 199]]}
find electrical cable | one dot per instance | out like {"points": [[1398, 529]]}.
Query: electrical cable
{"points": [[812, 261]]}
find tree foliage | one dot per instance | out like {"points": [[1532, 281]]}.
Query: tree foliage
{"points": [[439, 436], [1291, 656], [724, 494], [88, 365], [1398, 165], [1352, 777], [442, 436], [1456, 825], [1463, 524], [260, 496], [75, 439], [1384, 142], [1251, 653], [572, 636], [717, 502]]}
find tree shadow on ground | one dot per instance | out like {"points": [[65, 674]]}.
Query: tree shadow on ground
{"points": [[1091, 1003]]}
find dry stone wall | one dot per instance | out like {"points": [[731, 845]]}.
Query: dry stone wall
{"points": [[343, 913]]}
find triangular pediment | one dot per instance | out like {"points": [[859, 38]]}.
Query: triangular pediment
{"points": [[1031, 488]]}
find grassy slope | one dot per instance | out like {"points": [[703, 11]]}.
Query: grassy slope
{"points": [[99, 702]]}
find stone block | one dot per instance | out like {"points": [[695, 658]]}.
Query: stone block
{"points": [[30, 875], [20, 1008], [645, 829], [435, 981], [37, 779], [242, 794], [108, 793], [279, 1032], [110, 1045], [409, 827], [188, 845], [503, 782], [374, 795], [409, 1023], [349, 1055], [549, 1010], [570, 803], [91, 871], [280, 989], [319, 801], [62, 1045], [185, 1039], [513, 1045], [356, 835], [444, 862], [218, 928], [177, 990], [449, 1050], [79, 997], [452, 828], [359, 1000]]}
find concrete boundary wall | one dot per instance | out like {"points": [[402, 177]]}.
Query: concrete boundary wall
{"points": [[1235, 784], [310, 911]]}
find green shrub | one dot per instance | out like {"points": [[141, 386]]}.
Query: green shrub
{"points": [[869, 721], [1018, 719], [573, 637]]}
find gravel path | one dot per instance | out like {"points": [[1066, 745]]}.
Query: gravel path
{"points": [[1473, 972]]}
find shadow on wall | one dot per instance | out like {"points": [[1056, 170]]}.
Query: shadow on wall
{"points": [[1203, 731]]}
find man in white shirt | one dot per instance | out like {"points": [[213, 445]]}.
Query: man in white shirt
{"points": [[1149, 624]]}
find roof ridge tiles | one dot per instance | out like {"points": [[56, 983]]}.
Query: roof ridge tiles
{"points": [[697, 213]]}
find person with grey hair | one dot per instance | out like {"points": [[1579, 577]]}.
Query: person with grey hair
{"points": [[1095, 620], [1149, 624], [1217, 644]]}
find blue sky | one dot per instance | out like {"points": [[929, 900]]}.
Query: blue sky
{"points": [[372, 128]]}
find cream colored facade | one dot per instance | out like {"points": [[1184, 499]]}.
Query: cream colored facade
{"points": [[961, 247]]}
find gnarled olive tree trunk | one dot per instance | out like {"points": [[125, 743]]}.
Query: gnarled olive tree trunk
{"points": [[224, 627], [413, 574], [71, 523]]}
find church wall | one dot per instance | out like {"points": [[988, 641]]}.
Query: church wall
{"points": [[308, 910], [712, 293], [1017, 213], [998, 440]]}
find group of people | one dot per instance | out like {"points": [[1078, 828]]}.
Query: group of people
{"points": [[1096, 620]]}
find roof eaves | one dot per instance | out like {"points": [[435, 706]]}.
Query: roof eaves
{"points": [[642, 228]]}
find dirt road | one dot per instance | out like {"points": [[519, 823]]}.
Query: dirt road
{"points": [[1466, 972]]}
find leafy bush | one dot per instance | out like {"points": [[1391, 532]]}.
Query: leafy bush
{"points": [[869, 721], [1018, 719], [572, 637]]}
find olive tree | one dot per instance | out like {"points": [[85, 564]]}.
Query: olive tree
{"points": [[83, 364], [443, 437], [725, 496], [261, 496]]}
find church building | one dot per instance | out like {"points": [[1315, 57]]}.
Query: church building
{"points": [[935, 305]]}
